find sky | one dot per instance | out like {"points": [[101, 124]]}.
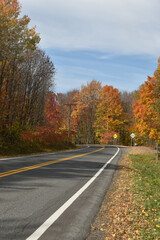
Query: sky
{"points": [[116, 42]]}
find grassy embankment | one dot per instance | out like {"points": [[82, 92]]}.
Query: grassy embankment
{"points": [[26, 147], [16, 141], [131, 208], [29, 148], [146, 190]]}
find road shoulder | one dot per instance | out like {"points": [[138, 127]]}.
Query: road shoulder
{"points": [[115, 218]]}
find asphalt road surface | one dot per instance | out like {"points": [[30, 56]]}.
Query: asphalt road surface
{"points": [[54, 196]]}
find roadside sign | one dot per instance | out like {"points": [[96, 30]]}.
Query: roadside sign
{"points": [[132, 139], [132, 135], [115, 136]]}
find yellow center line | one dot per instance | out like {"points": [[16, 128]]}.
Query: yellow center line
{"points": [[4, 174]]}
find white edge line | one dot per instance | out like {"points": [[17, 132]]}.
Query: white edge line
{"points": [[42, 154], [38, 233]]}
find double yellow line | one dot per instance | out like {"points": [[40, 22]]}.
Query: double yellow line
{"points": [[19, 170]]}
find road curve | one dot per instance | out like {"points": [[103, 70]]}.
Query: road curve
{"points": [[54, 196]]}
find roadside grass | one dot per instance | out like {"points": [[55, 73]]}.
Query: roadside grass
{"points": [[131, 207], [146, 192]]}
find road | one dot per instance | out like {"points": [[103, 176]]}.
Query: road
{"points": [[54, 196]]}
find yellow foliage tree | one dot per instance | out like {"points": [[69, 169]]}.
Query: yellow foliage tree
{"points": [[109, 114]]}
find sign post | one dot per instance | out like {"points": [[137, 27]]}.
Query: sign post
{"points": [[115, 137], [132, 139], [157, 151]]}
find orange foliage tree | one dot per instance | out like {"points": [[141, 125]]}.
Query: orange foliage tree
{"points": [[146, 108], [26, 74], [16, 39], [53, 112]]}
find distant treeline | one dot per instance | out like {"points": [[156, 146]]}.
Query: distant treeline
{"points": [[34, 117]]}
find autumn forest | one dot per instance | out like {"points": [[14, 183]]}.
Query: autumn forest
{"points": [[34, 118]]}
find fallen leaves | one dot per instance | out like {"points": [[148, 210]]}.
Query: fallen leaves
{"points": [[119, 216], [116, 212]]}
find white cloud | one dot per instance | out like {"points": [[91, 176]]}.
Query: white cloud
{"points": [[114, 26]]}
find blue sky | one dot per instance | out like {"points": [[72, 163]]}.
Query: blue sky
{"points": [[116, 42]]}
